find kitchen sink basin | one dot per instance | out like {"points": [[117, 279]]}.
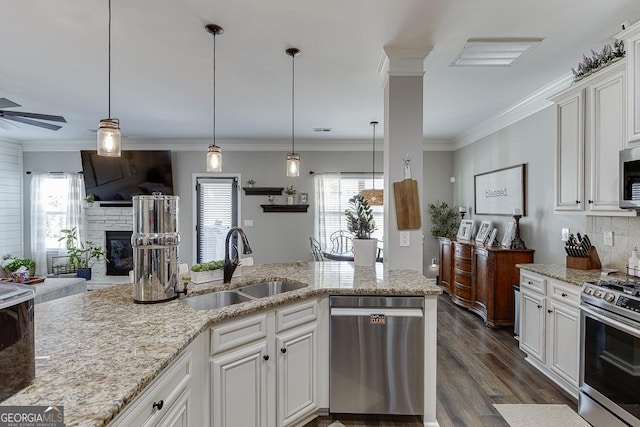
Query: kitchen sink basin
{"points": [[267, 289], [215, 300]]}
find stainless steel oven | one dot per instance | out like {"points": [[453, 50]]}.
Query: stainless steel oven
{"points": [[610, 353], [17, 353]]}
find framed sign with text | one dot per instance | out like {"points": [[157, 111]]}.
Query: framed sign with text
{"points": [[501, 191]]}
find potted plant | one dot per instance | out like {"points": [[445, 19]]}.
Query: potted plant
{"points": [[290, 192], [11, 265], [360, 222], [250, 182], [207, 271], [89, 199], [444, 220], [81, 255]]}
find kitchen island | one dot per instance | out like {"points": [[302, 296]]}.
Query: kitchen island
{"points": [[99, 351]]}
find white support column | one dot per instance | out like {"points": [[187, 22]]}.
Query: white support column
{"points": [[403, 114]]}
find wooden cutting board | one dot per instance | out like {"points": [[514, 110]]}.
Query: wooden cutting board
{"points": [[407, 204]]}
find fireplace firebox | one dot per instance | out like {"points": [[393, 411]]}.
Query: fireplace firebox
{"points": [[119, 253]]}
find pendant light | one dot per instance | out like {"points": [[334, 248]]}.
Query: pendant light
{"points": [[109, 129], [214, 155], [293, 158], [375, 197]]}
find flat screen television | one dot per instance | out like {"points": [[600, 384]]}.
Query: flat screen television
{"points": [[115, 180]]}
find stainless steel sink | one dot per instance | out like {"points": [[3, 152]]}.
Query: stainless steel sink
{"points": [[215, 300], [267, 289]]}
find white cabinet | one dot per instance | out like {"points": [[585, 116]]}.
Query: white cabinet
{"points": [[591, 117], [631, 39], [550, 327], [175, 398], [264, 368]]}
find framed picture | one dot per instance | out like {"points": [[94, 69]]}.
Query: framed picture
{"points": [[492, 237], [303, 199], [508, 235], [500, 192], [465, 230], [483, 232]]}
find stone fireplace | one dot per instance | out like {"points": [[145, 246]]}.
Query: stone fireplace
{"points": [[117, 220]]}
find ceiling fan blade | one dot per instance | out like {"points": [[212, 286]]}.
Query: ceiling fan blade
{"points": [[5, 103], [33, 116], [33, 123], [7, 125]]}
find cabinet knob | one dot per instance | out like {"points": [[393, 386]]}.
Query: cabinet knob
{"points": [[590, 202], [539, 306], [265, 357], [283, 350], [549, 311], [529, 282], [577, 202], [158, 405], [564, 295]]}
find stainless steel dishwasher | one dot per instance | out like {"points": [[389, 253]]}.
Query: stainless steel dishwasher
{"points": [[377, 355]]}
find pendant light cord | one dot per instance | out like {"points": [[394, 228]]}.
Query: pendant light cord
{"points": [[109, 73], [293, 103], [373, 165], [214, 89]]}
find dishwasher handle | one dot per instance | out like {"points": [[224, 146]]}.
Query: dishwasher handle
{"points": [[369, 311]]}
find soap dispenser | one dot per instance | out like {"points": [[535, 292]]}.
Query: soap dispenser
{"points": [[632, 268]]}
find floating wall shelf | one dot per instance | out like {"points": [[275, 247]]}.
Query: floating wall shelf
{"points": [[284, 208], [263, 191]]}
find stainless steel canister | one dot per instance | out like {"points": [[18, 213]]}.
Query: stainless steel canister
{"points": [[155, 242]]}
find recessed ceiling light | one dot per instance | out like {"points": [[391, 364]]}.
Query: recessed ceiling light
{"points": [[322, 129], [495, 52]]}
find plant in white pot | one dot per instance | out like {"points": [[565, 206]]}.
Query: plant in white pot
{"points": [[360, 222], [290, 191]]}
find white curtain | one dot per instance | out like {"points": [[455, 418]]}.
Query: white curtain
{"points": [[75, 199], [39, 222], [325, 184]]}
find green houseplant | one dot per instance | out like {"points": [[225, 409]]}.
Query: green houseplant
{"points": [[360, 222], [290, 192], [207, 271], [13, 264], [444, 220], [81, 255]]}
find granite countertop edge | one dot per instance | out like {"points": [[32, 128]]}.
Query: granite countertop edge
{"points": [[109, 313], [571, 275]]}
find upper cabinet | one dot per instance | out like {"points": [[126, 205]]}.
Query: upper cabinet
{"points": [[631, 39], [591, 130]]}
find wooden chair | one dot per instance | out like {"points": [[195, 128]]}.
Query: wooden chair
{"points": [[341, 243], [316, 249]]}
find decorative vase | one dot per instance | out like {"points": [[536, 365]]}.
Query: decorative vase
{"points": [[289, 200], [83, 273], [364, 252]]}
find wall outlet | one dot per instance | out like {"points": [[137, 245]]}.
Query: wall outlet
{"points": [[405, 238], [248, 223], [565, 234], [608, 238]]}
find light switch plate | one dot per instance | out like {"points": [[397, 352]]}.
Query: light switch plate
{"points": [[248, 223], [565, 234], [405, 238], [608, 238]]}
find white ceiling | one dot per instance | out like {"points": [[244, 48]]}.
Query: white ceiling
{"points": [[54, 61]]}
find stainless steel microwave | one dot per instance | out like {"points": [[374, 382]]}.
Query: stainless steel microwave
{"points": [[630, 178]]}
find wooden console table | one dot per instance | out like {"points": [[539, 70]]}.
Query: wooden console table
{"points": [[481, 279]]}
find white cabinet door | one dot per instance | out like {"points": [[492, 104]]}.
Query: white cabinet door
{"points": [[178, 414], [606, 138], [632, 45], [239, 387], [532, 337], [297, 373], [570, 152], [563, 330]]}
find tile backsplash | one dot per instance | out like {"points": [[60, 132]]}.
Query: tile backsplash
{"points": [[626, 235]]}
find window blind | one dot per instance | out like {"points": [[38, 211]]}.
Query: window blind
{"points": [[217, 207]]}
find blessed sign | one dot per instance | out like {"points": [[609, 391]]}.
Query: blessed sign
{"points": [[500, 192]]}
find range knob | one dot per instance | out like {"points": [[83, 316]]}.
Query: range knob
{"points": [[589, 290], [609, 297], [598, 294]]}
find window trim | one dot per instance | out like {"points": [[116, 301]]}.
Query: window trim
{"points": [[194, 204]]}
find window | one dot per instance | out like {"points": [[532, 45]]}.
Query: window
{"points": [[56, 191], [217, 211], [333, 191]]}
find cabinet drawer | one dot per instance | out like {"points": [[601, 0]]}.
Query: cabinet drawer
{"points": [[238, 333], [533, 282], [462, 265], [168, 388], [462, 251], [296, 315], [462, 291], [564, 292]]}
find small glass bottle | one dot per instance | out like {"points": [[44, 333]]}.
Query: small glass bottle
{"points": [[632, 269]]}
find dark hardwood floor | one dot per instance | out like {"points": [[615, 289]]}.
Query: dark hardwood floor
{"points": [[477, 367]]}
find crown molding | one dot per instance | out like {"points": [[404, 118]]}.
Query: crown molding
{"points": [[533, 103]]}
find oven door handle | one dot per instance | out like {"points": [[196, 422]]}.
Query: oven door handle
{"points": [[611, 322]]}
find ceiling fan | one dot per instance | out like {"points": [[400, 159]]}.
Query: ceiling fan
{"points": [[26, 118]]}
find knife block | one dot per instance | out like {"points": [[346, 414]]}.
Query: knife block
{"points": [[590, 262]]}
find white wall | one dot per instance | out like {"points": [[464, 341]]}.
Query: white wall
{"points": [[11, 198], [530, 141]]}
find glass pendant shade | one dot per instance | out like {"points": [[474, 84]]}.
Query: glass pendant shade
{"points": [[293, 164], [109, 138], [214, 159]]}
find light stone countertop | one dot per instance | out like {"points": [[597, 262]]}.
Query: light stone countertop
{"points": [[104, 350], [571, 275]]}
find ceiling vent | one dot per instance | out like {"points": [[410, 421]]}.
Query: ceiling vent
{"points": [[496, 52]]}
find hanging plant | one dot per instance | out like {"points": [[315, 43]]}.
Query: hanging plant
{"points": [[598, 60]]}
